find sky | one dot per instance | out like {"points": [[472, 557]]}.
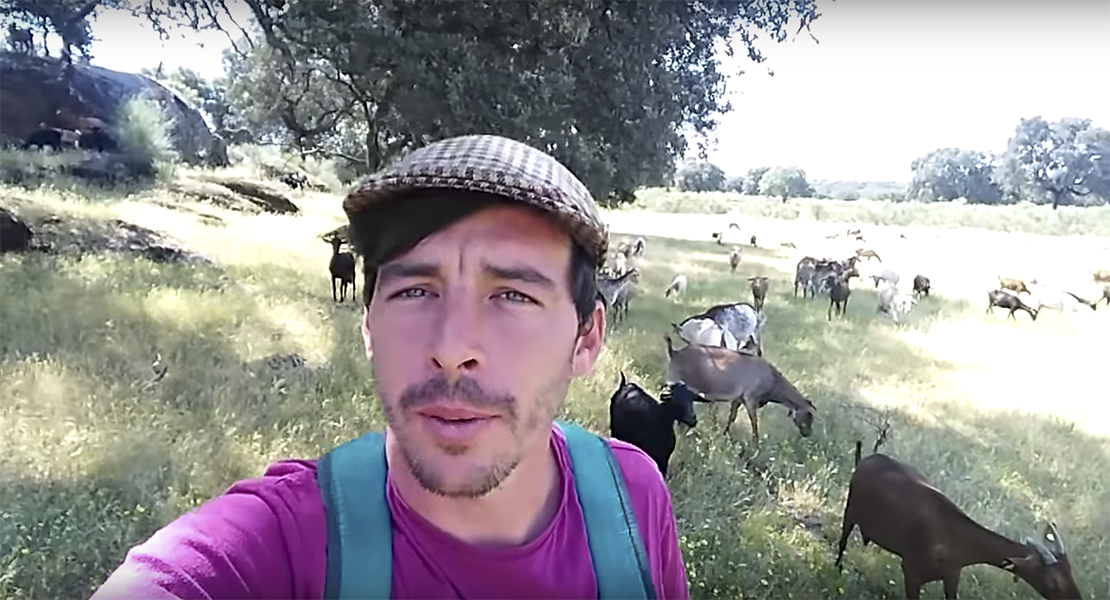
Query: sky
{"points": [[889, 80]]}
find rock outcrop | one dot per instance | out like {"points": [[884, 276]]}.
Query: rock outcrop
{"points": [[34, 89]]}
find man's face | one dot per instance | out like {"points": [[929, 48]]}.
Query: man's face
{"points": [[475, 341]]}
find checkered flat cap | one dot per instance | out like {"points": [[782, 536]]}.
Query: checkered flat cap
{"points": [[494, 165]]}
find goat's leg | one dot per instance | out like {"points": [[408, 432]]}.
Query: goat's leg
{"points": [[354, 289], [334, 294], [753, 418], [734, 408], [845, 531], [951, 584], [831, 302], [912, 582]]}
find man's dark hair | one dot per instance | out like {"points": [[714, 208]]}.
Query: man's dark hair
{"points": [[394, 228]]}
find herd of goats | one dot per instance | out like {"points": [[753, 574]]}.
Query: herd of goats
{"points": [[892, 503]]}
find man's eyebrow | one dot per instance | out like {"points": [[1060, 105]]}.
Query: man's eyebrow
{"points": [[401, 270], [519, 273]]}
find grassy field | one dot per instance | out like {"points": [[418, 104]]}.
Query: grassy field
{"points": [[95, 454]]}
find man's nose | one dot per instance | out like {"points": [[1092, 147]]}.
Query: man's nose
{"points": [[456, 349]]}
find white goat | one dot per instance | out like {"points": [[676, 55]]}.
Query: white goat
{"points": [[886, 275], [620, 264], [737, 327], [677, 286], [894, 303]]}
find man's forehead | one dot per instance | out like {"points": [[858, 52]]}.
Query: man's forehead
{"points": [[524, 226]]}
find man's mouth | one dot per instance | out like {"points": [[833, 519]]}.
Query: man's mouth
{"points": [[454, 424]]}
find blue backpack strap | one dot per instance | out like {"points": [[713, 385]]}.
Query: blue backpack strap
{"points": [[616, 549], [352, 481]]}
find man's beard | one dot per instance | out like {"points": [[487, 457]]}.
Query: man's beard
{"points": [[486, 477]]}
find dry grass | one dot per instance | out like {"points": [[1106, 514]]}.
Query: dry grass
{"points": [[95, 455]]}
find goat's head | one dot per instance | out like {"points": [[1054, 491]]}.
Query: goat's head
{"points": [[803, 417], [681, 399], [336, 243], [1046, 566]]}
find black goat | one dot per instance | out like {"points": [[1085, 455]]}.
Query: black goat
{"points": [[41, 138], [637, 418], [895, 507], [1010, 301], [342, 269], [839, 291], [98, 140], [921, 285]]}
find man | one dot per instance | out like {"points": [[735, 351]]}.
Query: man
{"points": [[480, 258]]}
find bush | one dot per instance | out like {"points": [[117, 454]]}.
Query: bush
{"points": [[144, 132]]}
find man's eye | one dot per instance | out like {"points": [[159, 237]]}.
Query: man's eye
{"points": [[410, 293], [515, 296]]}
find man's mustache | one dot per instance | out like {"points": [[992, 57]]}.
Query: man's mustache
{"points": [[464, 390]]}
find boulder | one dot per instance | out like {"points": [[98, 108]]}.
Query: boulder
{"points": [[34, 89], [15, 235]]}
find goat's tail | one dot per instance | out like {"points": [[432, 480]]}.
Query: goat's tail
{"points": [[859, 452]]}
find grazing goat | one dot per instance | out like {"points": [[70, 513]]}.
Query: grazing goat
{"points": [[921, 285], [617, 292], [638, 246], [893, 303], [868, 254], [734, 258], [839, 291], [637, 418], [803, 274], [342, 269], [21, 39], [888, 276], [759, 284], [1091, 304], [1046, 297], [897, 509], [736, 326], [1017, 285], [1008, 300], [677, 286], [45, 137], [722, 375]]}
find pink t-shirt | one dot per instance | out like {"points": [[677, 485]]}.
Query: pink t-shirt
{"points": [[267, 538]]}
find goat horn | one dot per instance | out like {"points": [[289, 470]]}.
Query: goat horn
{"points": [[1053, 536], [623, 380]]}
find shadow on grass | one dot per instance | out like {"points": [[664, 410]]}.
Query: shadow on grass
{"points": [[766, 527], [100, 451]]}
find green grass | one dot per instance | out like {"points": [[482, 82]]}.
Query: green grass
{"points": [[1024, 217], [1007, 418]]}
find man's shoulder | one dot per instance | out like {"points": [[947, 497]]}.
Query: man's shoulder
{"points": [[641, 474]]}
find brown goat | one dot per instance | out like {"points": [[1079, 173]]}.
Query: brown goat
{"points": [[1016, 285], [1101, 276], [840, 289], [896, 507], [723, 375], [759, 291], [868, 254]]}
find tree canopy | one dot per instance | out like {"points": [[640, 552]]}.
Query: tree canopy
{"points": [[609, 88]]}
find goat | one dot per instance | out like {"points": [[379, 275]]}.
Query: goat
{"points": [[43, 138], [637, 418], [752, 241], [803, 273], [1101, 276], [1046, 297], [21, 39], [1017, 285], [69, 120], [97, 139], [620, 264], [897, 509], [720, 235], [638, 246], [736, 326], [677, 286], [1091, 304], [921, 285], [839, 291], [1009, 300], [294, 180], [819, 281], [868, 254], [722, 375], [342, 269], [617, 292], [734, 258], [1105, 295], [894, 303], [888, 276], [759, 284]]}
